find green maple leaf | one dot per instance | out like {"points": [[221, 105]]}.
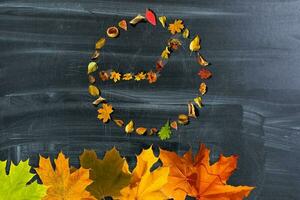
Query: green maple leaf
{"points": [[165, 131], [109, 175], [13, 186]]}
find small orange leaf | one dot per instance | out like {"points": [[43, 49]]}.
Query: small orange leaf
{"points": [[119, 122], [202, 88], [123, 24], [204, 74], [141, 130], [174, 125], [202, 61]]}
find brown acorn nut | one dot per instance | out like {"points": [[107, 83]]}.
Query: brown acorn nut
{"points": [[183, 119], [112, 32]]}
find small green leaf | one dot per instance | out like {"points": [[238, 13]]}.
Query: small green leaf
{"points": [[165, 131]]}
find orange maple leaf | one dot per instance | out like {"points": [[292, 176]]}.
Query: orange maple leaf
{"points": [[104, 112], [194, 176], [61, 183], [176, 27]]}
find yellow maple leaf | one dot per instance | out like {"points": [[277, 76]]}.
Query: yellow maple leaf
{"points": [[127, 76], [165, 54], [104, 112], [176, 27], [140, 76], [116, 76], [61, 183], [146, 185]]}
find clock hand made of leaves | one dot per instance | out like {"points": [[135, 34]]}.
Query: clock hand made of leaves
{"points": [[179, 33]]}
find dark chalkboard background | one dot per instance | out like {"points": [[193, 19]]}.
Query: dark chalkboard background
{"points": [[252, 107]]}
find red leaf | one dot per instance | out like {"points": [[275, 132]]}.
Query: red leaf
{"points": [[150, 16], [204, 74]]}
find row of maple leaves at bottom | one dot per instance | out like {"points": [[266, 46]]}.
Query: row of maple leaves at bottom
{"points": [[176, 178]]}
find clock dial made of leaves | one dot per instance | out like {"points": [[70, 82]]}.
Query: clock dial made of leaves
{"points": [[179, 34]]}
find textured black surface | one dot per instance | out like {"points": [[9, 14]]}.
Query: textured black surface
{"points": [[252, 107]]}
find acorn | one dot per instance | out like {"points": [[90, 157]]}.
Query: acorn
{"points": [[112, 32], [183, 119]]}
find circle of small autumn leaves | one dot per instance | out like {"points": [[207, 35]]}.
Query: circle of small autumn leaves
{"points": [[177, 30]]}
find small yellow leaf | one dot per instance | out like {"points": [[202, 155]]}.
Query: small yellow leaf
{"points": [[191, 110], [100, 43], [92, 67], [137, 19], [141, 130], [202, 61], [93, 90], [165, 54], [163, 20], [129, 128], [195, 44], [186, 33], [198, 101], [119, 122]]}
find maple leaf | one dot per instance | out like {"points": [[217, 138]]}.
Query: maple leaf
{"points": [[152, 77], [176, 27], [140, 76], [14, 185], [109, 175], [144, 184], [116, 76], [61, 183], [127, 76], [104, 112], [165, 131], [194, 176], [204, 74]]}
